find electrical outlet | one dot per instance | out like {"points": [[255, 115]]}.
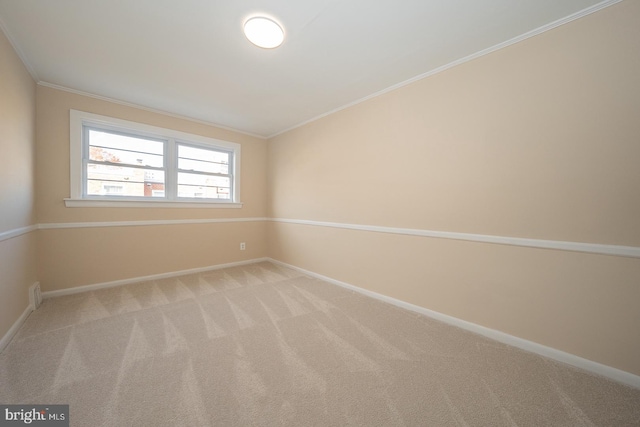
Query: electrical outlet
{"points": [[243, 246]]}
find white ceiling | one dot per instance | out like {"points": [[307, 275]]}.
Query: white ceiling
{"points": [[190, 58]]}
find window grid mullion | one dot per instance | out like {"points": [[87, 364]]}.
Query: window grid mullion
{"points": [[191, 171], [168, 174], [232, 171], [122, 165], [85, 159]]}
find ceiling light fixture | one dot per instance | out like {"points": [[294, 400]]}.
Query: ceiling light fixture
{"points": [[264, 32]]}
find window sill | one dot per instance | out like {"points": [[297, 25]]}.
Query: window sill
{"points": [[111, 203]]}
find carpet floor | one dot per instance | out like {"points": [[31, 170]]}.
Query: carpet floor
{"points": [[264, 345]]}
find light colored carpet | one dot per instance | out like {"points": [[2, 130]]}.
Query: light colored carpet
{"points": [[266, 346]]}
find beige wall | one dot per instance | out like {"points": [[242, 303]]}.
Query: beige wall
{"points": [[539, 140], [72, 257], [81, 256], [17, 143]]}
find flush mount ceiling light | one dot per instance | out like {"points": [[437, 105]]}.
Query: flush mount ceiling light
{"points": [[264, 32]]}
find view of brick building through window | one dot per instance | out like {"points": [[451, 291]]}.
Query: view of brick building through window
{"points": [[112, 180], [153, 187], [126, 166]]}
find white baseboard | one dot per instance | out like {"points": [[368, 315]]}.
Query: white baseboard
{"points": [[6, 339], [614, 374], [95, 286]]}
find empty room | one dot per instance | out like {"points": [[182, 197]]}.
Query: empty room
{"points": [[371, 213]]}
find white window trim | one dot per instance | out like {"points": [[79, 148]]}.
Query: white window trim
{"points": [[76, 121]]}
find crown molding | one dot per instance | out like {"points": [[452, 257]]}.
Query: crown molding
{"points": [[144, 108], [499, 46], [30, 68]]}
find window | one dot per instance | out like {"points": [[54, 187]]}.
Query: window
{"points": [[121, 163]]}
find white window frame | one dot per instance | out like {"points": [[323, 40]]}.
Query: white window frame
{"points": [[79, 198]]}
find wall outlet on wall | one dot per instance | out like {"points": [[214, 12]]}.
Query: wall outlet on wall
{"points": [[243, 246]]}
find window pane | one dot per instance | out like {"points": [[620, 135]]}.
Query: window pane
{"points": [[203, 186], [187, 152], [198, 179], [203, 160], [108, 180], [130, 150], [123, 142], [125, 157], [202, 192], [200, 166]]}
